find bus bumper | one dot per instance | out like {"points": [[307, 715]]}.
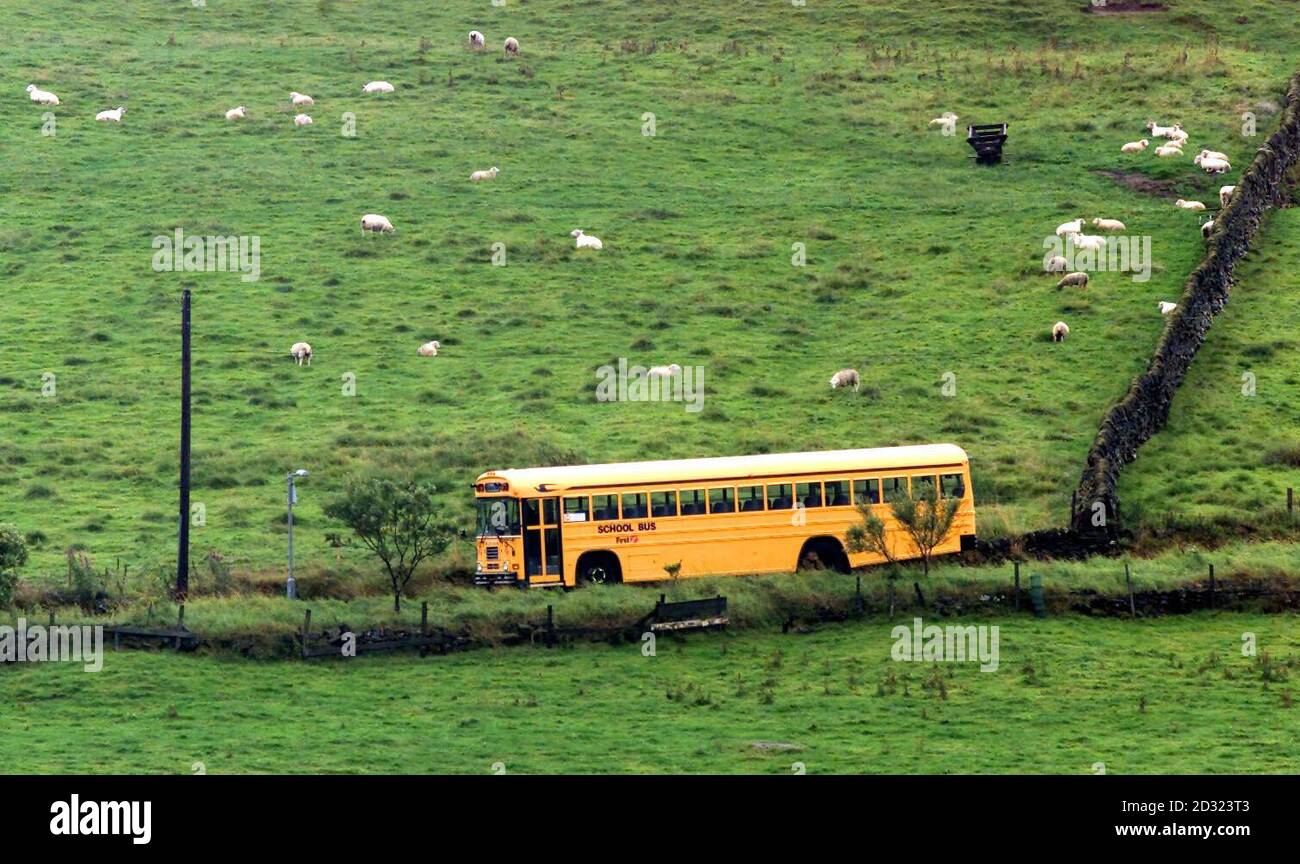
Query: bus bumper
{"points": [[492, 578]]}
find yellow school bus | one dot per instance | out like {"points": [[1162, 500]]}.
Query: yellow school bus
{"points": [[643, 521]]}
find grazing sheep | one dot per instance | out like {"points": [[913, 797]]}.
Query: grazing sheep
{"points": [[1213, 166], [1135, 146], [113, 115], [945, 119], [1056, 264], [1088, 242], [1168, 151], [1178, 135], [375, 223], [664, 371], [1059, 331], [300, 99], [489, 174], [302, 120], [1189, 205], [429, 349], [1225, 194], [1069, 227], [301, 351], [1080, 279], [845, 378], [512, 45], [42, 97], [1162, 131], [239, 113], [476, 39], [378, 87], [1213, 154], [1207, 229], [586, 241], [1108, 224], [1167, 307]]}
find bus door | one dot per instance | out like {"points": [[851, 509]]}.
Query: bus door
{"points": [[542, 548]]}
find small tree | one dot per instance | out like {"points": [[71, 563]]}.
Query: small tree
{"points": [[395, 519], [927, 522], [13, 554]]}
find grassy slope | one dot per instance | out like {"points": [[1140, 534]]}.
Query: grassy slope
{"points": [[1246, 449], [1172, 695], [919, 262]]}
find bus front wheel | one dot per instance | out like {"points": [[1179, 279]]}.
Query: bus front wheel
{"points": [[823, 553], [599, 568]]}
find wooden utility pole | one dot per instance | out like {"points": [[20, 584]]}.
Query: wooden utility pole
{"points": [[183, 547]]}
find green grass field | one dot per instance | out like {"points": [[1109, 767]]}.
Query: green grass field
{"points": [[775, 125], [1165, 696]]}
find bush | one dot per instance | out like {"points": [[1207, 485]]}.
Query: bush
{"points": [[13, 555]]}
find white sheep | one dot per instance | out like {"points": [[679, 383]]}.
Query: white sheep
{"points": [[1166, 307], [664, 371], [41, 97], [512, 45], [489, 174], [845, 378], [301, 352], [1225, 194], [1213, 154], [1158, 131], [1178, 135], [239, 113], [375, 223], [301, 120], [1080, 278], [476, 39], [1108, 224], [1059, 331], [1213, 166], [947, 118], [1088, 242], [1189, 205], [586, 241], [113, 115], [1069, 227], [1056, 264], [1135, 146], [1207, 229], [429, 349], [1168, 151], [300, 99], [378, 87]]}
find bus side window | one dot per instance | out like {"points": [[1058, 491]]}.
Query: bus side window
{"points": [[866, 491], [778, 496], [837, 493], [750, 498], [634, 505], [531, 511], [809, 494], [604, 508], [923, 487], [953, 485], [722, 500], [663, 504], [895, 488], [692, 502], [576, 509]]}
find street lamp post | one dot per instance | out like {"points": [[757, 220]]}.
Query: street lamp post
{"points": [[291, 587]]}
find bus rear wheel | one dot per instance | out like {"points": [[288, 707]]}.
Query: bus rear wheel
{"points": [[823, 553], [599, 568]]}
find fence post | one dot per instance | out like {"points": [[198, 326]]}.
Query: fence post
{"points": [[550, 626], [424, 618], [858, 607], [1017, 586], [306, 628], [1211, 586], [1128, 580], [180, 625], [1290, 500], [1036, 595]]}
